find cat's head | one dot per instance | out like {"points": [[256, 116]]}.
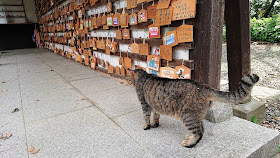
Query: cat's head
{"points": [[135, 74]]}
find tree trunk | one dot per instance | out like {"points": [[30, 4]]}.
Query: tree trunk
{"points": [[267, 11]]}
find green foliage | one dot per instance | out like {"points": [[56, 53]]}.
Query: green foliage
{"points": [[255, 120], [266, 29], [258, 7]]}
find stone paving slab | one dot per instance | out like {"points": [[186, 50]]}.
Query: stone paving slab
{"points": [[49, 104], [96, 84], [84, 133], [44, 86], [231, 138]]}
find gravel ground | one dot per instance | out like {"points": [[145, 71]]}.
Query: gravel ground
{"points": [[265, 61]]}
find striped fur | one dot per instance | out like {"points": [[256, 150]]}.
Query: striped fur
{"points": [[185, 100]]}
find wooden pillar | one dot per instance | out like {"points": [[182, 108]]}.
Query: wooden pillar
{"points": [[238, 40], [207, 52]]}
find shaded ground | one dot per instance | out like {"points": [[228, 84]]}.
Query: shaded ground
{"points": [[265, 61]]}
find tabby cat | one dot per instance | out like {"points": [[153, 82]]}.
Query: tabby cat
{"points": [[185, 100]]}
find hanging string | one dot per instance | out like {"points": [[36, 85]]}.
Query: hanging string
{"points": [[144, 36]]}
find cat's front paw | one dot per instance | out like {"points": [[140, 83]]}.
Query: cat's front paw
{"points": [[146, 126], [155, 124]]}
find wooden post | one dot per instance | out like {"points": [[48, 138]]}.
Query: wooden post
{"points": [[207, 52], [238, 40]]}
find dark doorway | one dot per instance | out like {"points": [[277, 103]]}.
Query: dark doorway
{"points": [[16, 36]]}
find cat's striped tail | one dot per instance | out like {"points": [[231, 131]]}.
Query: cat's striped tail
{"points": [[239, 95]]}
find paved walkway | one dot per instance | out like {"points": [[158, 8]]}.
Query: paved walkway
{"points": [[68, 110]]}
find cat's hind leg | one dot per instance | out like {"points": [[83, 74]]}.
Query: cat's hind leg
{"points": [[147, 114], [156, 117], [195, 126]]}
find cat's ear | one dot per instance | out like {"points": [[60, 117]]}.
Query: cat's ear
{"points": [[131, 73]]}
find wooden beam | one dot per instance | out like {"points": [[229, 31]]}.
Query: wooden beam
{"points": [[207, 52], [238, 40]]}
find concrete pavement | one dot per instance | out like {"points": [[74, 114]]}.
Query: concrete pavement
{"points": [[69, 110]]}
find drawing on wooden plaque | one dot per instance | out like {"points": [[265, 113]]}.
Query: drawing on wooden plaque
{"points": [[142, 16], [184, 9], [164, 16], [154, 31], [93, 63], [168, 72], [133, 19], [109, 7], [170, 39], [163, 4], [153, 62], [185, 33], [116, 19], [110, 20], [151, 11], [126, 33], [183, 72], [166, 52]]}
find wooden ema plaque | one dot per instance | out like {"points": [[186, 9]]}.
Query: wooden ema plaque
{"points": [[109, 7], [142, 16], [123, 71], [110, 20], [124, 20], [135, 48], [105, 27], [131, 4], [170, 39], [121, 61], [93, 20], [104, 20], [184, 9], [183, 72], [153, 62], [164, 16], [154, 31], [107, 64], [127, 62], [166, 52], [98, 44], [119, 34], [116, 19], [126, 33], [118, 71], [93, 63], [168, 72], [107, 50], [185, 33], [102, 44], [99, 21], [140, 1], [163, 4], [110, 69], [86, 57], [133, 19], [144, 49], [151, 10]]}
